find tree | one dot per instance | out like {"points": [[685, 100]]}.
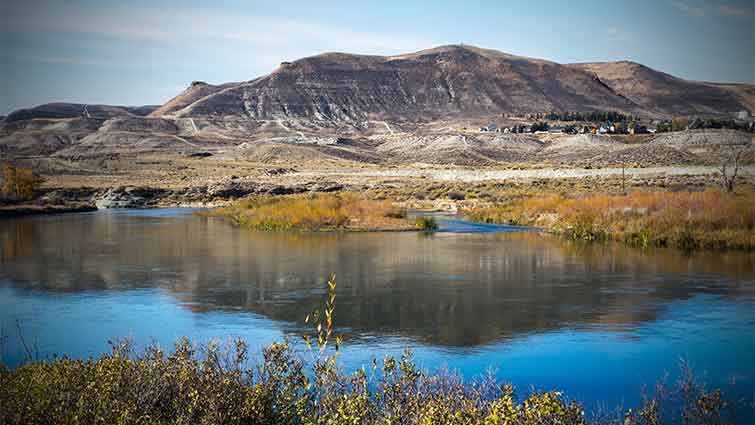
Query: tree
{"points": [[20, 183], [679, 124], [729, 180], [663, 127], [540, 126]]}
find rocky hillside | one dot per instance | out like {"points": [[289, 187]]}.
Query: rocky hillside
{"points": [[420, 107], [453, 82], [661, 94], [447, 82], [77, 110]]}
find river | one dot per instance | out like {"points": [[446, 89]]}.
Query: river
{"points": [[598, 321]]}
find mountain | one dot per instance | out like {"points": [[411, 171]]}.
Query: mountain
{"points": [[659, 93], [448, 82], [73, 110], [196, 91], [445, 82]]}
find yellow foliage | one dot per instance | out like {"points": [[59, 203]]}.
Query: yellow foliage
{"points": [[711, 218], [19, 182], [315, 212]]}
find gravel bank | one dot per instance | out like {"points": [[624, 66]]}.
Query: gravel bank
{"points": [[465, 175]]}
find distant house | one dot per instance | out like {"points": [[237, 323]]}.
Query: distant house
{"points": [[490, 128], [743, 115]]}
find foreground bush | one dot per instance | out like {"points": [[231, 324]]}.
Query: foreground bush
{"points": [[209, 385], [315, 212], [709, 219]]}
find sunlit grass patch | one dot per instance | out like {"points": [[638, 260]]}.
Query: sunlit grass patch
{"points": [[708, 219], [316, 212]]}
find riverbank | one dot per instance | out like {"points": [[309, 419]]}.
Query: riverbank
{"points": [[18, 210], [711, 219], [415, 188]]}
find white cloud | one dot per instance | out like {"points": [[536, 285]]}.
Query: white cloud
{"points": [[210, 44], [735, 11], [66, 60], [185, 27], [705, 8], [689, 9]]}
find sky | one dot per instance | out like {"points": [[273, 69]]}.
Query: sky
{"points": [[145, 52]]}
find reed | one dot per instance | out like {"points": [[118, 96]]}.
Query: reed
{"points": [[689, 220], [315, 212]]}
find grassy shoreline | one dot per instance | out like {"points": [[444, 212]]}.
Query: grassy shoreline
{"points": [[710, 219], [344, 211]]}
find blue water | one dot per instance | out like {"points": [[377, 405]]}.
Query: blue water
{"points": [[452, 224], [599, 322]]}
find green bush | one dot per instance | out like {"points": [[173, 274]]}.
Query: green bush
{"points": [[426, 223]]}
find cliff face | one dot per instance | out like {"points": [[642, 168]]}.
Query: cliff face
{"points": [[454, 82], [446, 82]]}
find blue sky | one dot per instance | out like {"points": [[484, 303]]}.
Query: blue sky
{"points": [[144, 52]]}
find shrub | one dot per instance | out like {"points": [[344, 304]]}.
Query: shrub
{"points": [[487, 195], [396, 213], [421, 196], [426, 223], [20, 183], [456, 195]]}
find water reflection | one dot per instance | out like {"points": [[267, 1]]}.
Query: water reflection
{"points": [[444, 289]]}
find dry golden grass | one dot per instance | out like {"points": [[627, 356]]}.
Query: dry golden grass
{"points": [[316, 212], [708, 219]]}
